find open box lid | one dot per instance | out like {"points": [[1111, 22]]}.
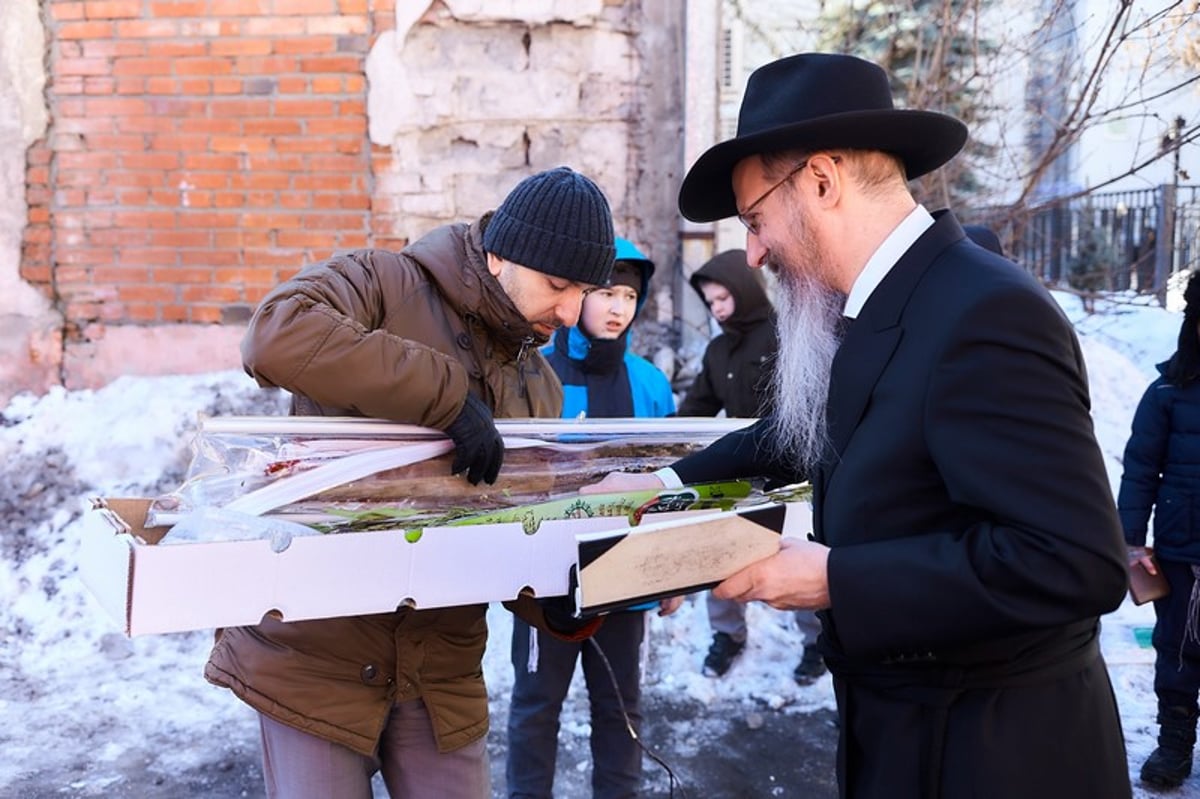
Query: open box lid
{"points": [[618, 569]]}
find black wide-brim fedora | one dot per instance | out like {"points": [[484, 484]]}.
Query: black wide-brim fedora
{"points": [[816, 101]]}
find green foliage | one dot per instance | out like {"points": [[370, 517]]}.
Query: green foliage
{"points": [[936, 61]]}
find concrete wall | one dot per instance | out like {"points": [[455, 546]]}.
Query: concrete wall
{"points": [[30, 329], [467, 101]]}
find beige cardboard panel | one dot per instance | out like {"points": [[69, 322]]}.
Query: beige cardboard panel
{"points": [[659, 558]]}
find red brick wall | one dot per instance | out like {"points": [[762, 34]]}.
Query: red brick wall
{"points": [[200, 151]]}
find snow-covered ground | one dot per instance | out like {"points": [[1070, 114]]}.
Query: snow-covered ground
{"points": [[74, 690]]}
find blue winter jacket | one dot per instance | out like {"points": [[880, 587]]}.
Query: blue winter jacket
{"points": [[569, 350], [650, 389], [1162, 471]]}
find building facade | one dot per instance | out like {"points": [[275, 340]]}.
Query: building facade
{"points": [[166, 163]]}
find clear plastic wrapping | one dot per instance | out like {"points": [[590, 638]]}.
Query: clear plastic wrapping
{"points": [[260, 465]]}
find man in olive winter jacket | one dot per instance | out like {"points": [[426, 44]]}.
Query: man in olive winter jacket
{"points": [[444, 333]]}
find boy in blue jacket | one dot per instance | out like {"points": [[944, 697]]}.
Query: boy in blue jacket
{"points": [[601, 377]]}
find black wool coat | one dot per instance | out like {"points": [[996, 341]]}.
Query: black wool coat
{"points": [[974, 541]]}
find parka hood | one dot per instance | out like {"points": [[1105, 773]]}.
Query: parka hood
{"points": [[627, 251], [751, 305]]}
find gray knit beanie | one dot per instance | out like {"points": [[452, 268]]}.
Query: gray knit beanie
{"points": [[556, 222]]}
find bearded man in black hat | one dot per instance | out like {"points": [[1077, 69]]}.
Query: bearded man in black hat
{"points": [[966, 541]]}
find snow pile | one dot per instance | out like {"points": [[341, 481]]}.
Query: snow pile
{"points": [[85, 704]]}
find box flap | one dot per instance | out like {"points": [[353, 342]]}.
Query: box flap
{"points": [[628, 567]]}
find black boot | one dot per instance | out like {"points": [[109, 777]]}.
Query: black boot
{"points": [[1171, 763], [721, 654], [810, 668]]}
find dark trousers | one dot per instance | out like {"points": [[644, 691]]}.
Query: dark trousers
{"points": [[537, 698], [1176, 658]]}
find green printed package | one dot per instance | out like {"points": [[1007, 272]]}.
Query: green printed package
{"points": [[633, 505]]}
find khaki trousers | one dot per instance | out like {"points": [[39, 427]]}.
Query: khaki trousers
{"points": [[297, 765]]}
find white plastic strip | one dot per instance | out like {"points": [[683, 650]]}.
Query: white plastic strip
{"points": [[352, 427], [331, 475], [348, 468]]}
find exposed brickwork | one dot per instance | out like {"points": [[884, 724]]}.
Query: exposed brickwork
{"points": [[35, 247], [200, 152]]}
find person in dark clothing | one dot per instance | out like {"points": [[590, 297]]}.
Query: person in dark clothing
{"points": [[965, 539], [735, 377], [1162, 473], [985, 237], [601, 378], [1144, 254], [735, 371]]}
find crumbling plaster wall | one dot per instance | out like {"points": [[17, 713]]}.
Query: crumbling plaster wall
{"points": [[30, 329], [470, 99], [470, 96]]}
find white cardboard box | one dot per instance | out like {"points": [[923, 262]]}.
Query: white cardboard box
{"points": [[150, 588]]}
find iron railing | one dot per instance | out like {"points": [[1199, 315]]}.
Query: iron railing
{"points": [[1112, 241]]}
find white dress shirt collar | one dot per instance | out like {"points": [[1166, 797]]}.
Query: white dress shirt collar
{"points": [[884, 258]]}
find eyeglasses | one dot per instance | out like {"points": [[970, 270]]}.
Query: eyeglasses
{"points": [[744, 216]]}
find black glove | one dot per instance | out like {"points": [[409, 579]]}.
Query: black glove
{"points": [[559, 614], [478, 447]]}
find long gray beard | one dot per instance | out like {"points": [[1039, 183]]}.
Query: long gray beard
{"points": [[809, 314]]}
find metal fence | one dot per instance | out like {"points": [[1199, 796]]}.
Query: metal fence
{"points": [[1112, 241]]}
